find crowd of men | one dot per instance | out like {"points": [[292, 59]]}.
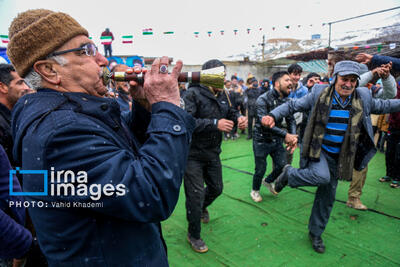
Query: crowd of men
{"points": [[144, 139]]}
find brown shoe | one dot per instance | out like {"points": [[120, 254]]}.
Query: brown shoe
{"points": [[198, 245], [355, 203]]}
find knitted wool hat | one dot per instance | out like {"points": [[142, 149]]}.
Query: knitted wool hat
{"points": [[34, 34]]}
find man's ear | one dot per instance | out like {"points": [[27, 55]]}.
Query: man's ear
{"points": [[45, 68], [3, 88]]}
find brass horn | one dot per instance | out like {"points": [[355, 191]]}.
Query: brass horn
{"points": [[211, 77]]}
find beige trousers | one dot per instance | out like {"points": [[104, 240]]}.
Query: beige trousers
{"points": [[356, 185]]}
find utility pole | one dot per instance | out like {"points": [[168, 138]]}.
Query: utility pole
{"points": [[263, 48], [330, 28]]}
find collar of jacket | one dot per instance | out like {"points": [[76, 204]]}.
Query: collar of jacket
{"points": [[34, 107], [276, 94], [5, 113]]}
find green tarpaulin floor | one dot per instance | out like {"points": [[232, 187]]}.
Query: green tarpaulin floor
{"points": [[274, 231]]}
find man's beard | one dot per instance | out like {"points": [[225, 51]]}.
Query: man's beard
{"points": [[285, 93]]}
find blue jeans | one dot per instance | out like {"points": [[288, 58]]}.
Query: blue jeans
{"points": [[324, 175]]}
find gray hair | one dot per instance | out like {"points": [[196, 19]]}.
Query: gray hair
{"points": [[34, 80]]}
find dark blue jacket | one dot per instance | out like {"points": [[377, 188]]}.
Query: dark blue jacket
{"points": [[378, 60], [144, 151], [15, 239]]}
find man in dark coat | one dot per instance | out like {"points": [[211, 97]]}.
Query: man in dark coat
{"points": [[264, 86], [338, 138], [268, 141], [251, 95], [212, 108], [12, 87], [111, 179]]}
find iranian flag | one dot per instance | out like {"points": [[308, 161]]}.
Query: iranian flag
{"points": [[4, 39], [148, 31], [106, 40], [127, 39]]}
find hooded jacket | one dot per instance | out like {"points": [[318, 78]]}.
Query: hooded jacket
{"points": [[145, 152]]}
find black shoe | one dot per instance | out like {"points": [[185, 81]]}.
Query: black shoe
{"points": [[317, 243], [249, 137], [205, 216], [282, 179]]}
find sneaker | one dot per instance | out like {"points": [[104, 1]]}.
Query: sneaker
{"points": [[249, 137], [197, 245], [270, 187], [395, 184], [282, 179], [205, 216], [255, 195], [355, 203], [385, 179]]}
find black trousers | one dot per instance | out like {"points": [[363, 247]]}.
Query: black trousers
{"points": [[250, 121], [393, 154], [261, 150], [198, 197]]}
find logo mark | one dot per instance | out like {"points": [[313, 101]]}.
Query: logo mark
{"points": [[17, 170]]}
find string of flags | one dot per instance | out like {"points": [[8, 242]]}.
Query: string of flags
{"points": [[127, 39], [378, 47]]}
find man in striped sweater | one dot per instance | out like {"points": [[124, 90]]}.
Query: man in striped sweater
{"points": [[338, 138]]}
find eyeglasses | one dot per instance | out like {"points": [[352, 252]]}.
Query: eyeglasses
{"points": [[89, 48]]}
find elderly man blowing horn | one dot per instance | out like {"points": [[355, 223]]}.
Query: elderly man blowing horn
{"points": [[111, 178]]}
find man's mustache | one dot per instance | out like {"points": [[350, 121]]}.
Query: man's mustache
{"points": [[344, 87]]}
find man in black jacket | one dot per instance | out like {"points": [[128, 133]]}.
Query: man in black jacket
{"points": [[268, 141], [212, 108], [251, 95], [12, 87], [264, 86]]}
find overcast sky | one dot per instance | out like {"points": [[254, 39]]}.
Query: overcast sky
{"points": [[187, 16]]}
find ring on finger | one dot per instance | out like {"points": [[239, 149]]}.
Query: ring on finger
{"points": [[164, 69]]}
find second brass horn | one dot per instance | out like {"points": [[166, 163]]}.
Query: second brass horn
{"points": [[211, 77]]}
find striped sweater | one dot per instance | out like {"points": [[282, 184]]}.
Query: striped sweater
{"points": [[337, 125]]}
